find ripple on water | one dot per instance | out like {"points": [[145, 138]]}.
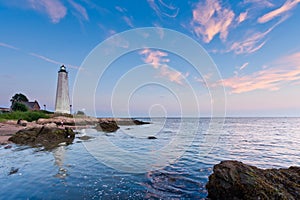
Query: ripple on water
{"points": [[73, 173]]}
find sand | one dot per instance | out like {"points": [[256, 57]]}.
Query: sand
{"points": [[7, 129]]}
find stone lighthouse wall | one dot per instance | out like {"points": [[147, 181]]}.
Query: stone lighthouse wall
{"points": [[62, 103]]}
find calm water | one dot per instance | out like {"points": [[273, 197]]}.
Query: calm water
{"points": [[126, 165]]}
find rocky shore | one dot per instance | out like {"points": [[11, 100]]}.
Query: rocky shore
{"points": [[48, 137], [34, 133], [236, 180]]}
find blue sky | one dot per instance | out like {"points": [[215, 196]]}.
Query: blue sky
{"points": [[254, 43]]}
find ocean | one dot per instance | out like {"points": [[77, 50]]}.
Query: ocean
{"points": [[128, 165]]}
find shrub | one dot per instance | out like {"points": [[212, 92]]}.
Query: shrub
{"points": [[28, 116], [80, 113], [17, 106]]}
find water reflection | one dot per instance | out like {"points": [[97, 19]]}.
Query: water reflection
{"points": [[59, 154]]}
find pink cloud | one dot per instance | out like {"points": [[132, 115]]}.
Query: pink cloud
{"points": [[288, 5], [172, 75], [80, 9], [242, 17], [251, 43], [155, 58], [54, 8], [259, 3], [210, 19], [159, 61], [285, 70]]}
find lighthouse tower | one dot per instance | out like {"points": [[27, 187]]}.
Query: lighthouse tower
{"points": [[62, 103]]}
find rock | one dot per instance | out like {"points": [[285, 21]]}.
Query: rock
{"points": [[48, 137], [138, 122], [8, 147], [57, 120], [85, 137], [129, 122], [107, 126], [22, 122], [13, 171], [235, 180], [51, 125], [152, 138], [69, 121], [11, 122]]}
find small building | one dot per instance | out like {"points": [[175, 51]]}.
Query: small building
{"points": [[4, 110], [32, 106]]}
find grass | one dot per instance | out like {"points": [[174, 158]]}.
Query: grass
{"points": [[28, 115]]}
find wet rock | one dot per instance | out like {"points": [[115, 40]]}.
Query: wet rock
{"points": [[129, 122], [13, 171], [107, 126], [138, 122], [152, 137], [48, 137], [235, 180], [85, 137], [8, 147]]}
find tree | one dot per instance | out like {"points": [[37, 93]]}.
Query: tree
{"points": [[17, 106], [18, 98], [79, 112]]}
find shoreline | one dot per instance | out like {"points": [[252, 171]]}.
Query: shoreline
{"points": [[10, 127]]}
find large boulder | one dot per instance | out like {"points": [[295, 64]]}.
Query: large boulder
{"points": [[46, 136], [107, 126], [235, 180]]}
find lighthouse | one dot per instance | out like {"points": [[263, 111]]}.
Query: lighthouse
{"points": [[62, 102]]}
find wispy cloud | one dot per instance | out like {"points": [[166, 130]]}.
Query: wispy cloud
{"points": [[128, 21], [162, 9], [52, 61], [259, 3], [288, 5], [117, 41], [106, 30], [8, 46], [160, 30], [210, 19], [204, 80], [120, 9], [284, 71], [242, 17], [172, 75], [54, 8], [154, 57], [80, 9], [243, 66], [251, 43], [158, 59], [38, 56]]}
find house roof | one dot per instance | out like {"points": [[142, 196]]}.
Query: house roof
{"points": [[31, 104]]}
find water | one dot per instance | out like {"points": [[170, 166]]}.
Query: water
{"points": [[187, 155]]}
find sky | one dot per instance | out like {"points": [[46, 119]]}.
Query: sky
{"points": [[254, 46]]}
